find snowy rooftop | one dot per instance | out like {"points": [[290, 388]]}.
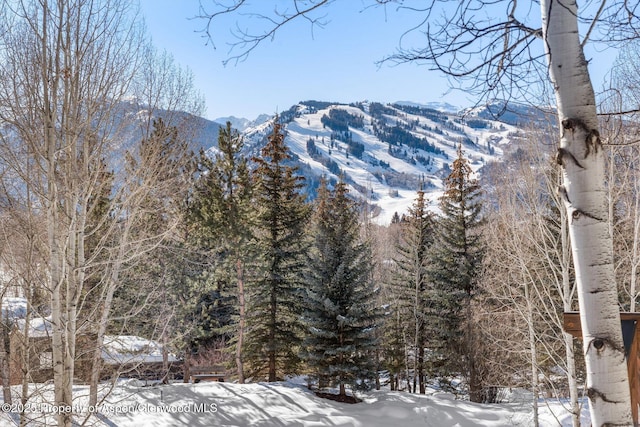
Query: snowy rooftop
{"points": [[121, 349]]}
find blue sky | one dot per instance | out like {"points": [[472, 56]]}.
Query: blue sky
{"points": [[334, 63]]}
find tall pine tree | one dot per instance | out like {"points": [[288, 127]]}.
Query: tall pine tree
{"points": [[457, 257], [340, 307], [413, 282], [224, 216], [274, 303]]}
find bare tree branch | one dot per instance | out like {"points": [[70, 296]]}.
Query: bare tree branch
{"points": [[485, 55], [248, 41], [593, 23]]}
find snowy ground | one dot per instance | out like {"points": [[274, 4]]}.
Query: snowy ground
{"points": [[291, 404]]}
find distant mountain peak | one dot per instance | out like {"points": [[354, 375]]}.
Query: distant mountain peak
{"points": [[241, 123], [444, 107]]}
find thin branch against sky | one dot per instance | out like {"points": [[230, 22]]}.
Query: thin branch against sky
{"points": [[335, 61]]}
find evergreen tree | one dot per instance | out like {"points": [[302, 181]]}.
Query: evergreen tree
{"points": [[394, 345], [274, 303], [413, 283], [100, 207], [457, 258], [222, 215], [164, 156], [340, 307], [150, 293]]}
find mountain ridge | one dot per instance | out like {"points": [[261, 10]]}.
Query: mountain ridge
{"points": [[386, 152]]}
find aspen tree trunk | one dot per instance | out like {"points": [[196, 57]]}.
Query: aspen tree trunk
{"points": [[96, 362], [533, 355], [4, 362], [406, 363], [25, 356], [62, 368], [582, 160], [571, 380], [566, 306]]}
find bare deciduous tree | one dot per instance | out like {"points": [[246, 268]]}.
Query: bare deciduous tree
{"points": [[528, 228], [620, 124], [67, 73], [64, 65]]}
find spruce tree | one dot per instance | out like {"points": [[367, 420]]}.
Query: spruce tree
{"points": [[274, 303], [222, 216], [413, 282], [340, 311], [457, 257], [394, 345]]}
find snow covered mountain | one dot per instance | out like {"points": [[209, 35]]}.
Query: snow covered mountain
{"points": [[387, 152], [240, 123]]}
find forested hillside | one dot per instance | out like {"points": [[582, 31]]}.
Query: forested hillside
{"points": [[386, 152]]}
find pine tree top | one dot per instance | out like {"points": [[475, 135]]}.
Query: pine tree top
{"points": [[461, 197], [275, 151]]}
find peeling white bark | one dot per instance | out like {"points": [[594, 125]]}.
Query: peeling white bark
{"points": [[582, 160]]}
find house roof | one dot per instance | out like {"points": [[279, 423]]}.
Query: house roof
{"points": [[117, 349], [121, 349]]}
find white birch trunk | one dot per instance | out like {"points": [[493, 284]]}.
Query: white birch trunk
{"points": [[567, 292], [533, 356], [25, 357], [4, 363], [635, 256], [62, 383], [96, 360], [582, 160]]}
